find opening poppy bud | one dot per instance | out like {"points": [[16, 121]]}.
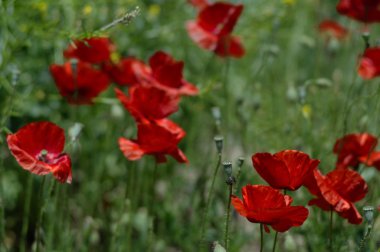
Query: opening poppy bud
{"points": [[219, 143], [240, 162], [368, 213], [227, 168]]}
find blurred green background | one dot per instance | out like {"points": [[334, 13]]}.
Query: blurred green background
{"points": [[290, 91]]}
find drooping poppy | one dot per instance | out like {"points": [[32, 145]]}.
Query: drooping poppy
{"points": [[287, 169], [213, 27], [79, 83], [125, 72], [353, 149], [369, 66], [163, 72], [38, 148], [367, 11], [168, 76], [148, 103], [158, 139], [337, 191], [265, 205], [93, 50], [333, 29]]}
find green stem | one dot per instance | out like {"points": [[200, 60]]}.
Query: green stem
{"points": [[40, 215], [365, 237], [275, 242], [331, 231], [228, 218], [261, 238], [25, 219], [205, 212], [151, 205]]}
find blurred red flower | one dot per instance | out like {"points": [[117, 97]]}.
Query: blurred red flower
{"points": [[91, 50], [213, 27], [337, 191], [369, 66], [124, 72], [265, 205], [38, 148], [148, 103], [287, 169], [158, 139], [353, 149], [333, 29], [199, 4], [367, 11], [163, 72], [79, 83]]}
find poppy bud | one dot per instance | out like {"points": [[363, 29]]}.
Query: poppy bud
{"points": [[366, 36], [227, 168], [368, 213], [219, 143], [240, 162]]}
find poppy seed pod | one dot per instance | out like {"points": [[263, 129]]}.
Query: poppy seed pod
{"points": [[368, 213], [219, 143], [227, 168], [240, 162]]}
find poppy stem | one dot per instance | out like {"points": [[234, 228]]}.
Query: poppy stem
{"points": [[331, 231], [275, 242], [40, 215], [25, 219], [205, 212], [151, 206], [261, 238], [228, 218], [126, 19]]}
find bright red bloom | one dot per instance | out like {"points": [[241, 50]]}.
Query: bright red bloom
{"points": [[367, 11], [287, 169], [265, 205], [369, 66], [79, 83], [148, 103], [91, 50], [333, 28], [159, 139], [213, 27], [124, 72], [163, 72], [199, 4], [337, 191], [38, 148], [354, 148]]}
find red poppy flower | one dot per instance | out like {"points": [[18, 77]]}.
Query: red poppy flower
{"points": [[199, 4], [337, 191], [91, 50], [265, 205], [284, 170], [158, 139], [367, 11], [38, 148], [369, 66], [148, 103], [333, 28], [79, 83], [124, 72], [213, 27], [163, 72], [373, 160], [354, 148]]}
